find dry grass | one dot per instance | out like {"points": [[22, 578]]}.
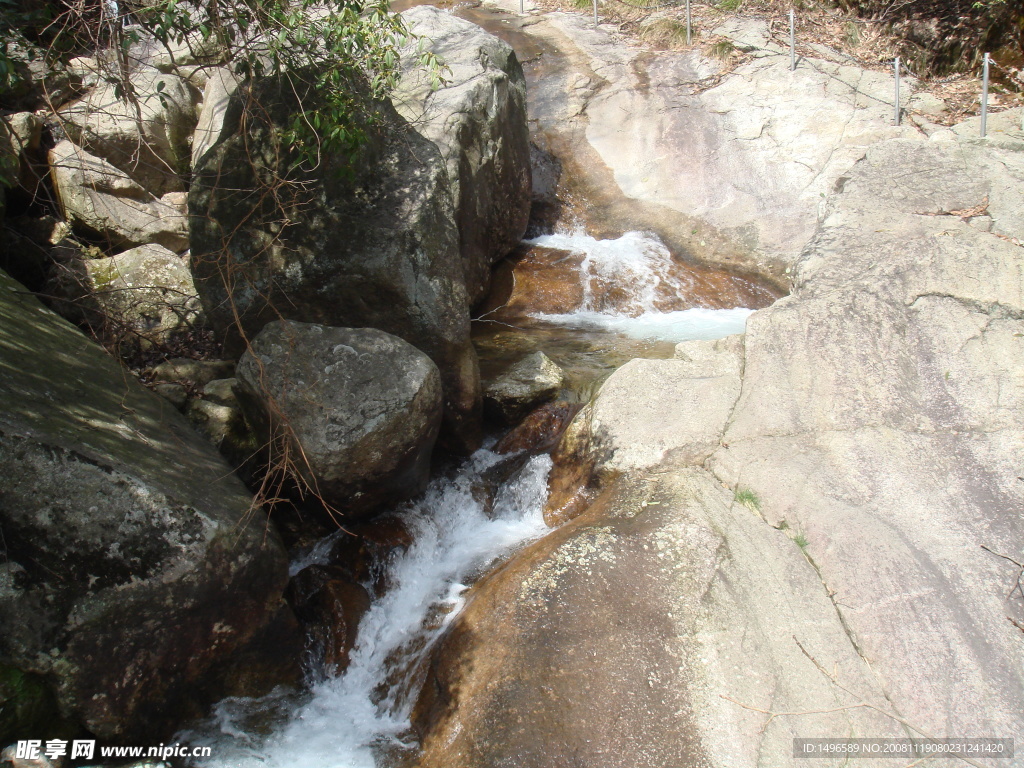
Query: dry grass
{"points": [[845, 38]]}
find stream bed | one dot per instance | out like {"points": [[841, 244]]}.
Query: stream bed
{"points": [[592, 291]]}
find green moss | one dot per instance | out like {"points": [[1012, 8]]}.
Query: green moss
{"points": [[102, 275], [28, 709]]}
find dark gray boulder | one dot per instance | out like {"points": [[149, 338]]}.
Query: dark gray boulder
{"points": [[358, 410], [369, 242], [139, 583]]}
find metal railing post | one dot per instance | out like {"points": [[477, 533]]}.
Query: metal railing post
{"points": [[595, 14], [792, 39], [689, 25], [984, 97], [896, 101]]}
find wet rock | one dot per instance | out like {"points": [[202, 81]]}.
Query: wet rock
{"points": [[160, 543], [364, 554], [539, 281], [359, 409], [609, 279], [370, 245], [532, 381], [154, 151], [477, 119], [330, 607], [105, 202], [613, 641], [540, 431], [546, 172]]}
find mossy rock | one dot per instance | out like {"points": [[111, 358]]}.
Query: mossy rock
{"points": [[28, 708]]}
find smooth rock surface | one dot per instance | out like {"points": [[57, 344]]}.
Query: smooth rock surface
{"points": [[359, 409], [478, 121], [106, 202], [880, 418], [855, 488], [646, 633], [730, 167], [122, 527], [648, 413], [154, 150]]}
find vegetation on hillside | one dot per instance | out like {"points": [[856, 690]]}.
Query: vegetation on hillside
{"points": [[350, 48]]}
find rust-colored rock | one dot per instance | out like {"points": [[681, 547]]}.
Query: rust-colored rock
{"points": [[548, 281], [330, 607], [574, 481], [538, 280], [539, 432]]}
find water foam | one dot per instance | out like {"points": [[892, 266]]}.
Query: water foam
{"points": [[348, 720], [637, 267], [684, 325]]}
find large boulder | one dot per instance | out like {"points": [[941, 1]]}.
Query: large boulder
{"points": [[357, 409], [106, 202], [145, 133], [138, 585], [626, 427], [477, 118], [881, 418], [365, 242], [813, 535]]}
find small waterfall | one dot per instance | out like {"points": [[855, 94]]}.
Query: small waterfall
{"points": [[355, 719], [632, 285]]}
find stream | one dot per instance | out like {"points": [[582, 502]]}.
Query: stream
{"points": [[594, 290]]}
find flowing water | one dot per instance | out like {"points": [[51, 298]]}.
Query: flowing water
{"points": [[592, 294], [362, 716]]}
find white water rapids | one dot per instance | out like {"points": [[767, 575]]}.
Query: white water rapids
{"points": [[360, 717], [641, 262], [349, 719]]}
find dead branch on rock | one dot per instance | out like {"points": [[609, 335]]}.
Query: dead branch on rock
{"points": [[981, 209]]}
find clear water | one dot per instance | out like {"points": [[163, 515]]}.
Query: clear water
{"points": [[350, 720]]}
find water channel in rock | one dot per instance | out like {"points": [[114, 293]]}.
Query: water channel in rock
{"points": [[604, 282]]}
